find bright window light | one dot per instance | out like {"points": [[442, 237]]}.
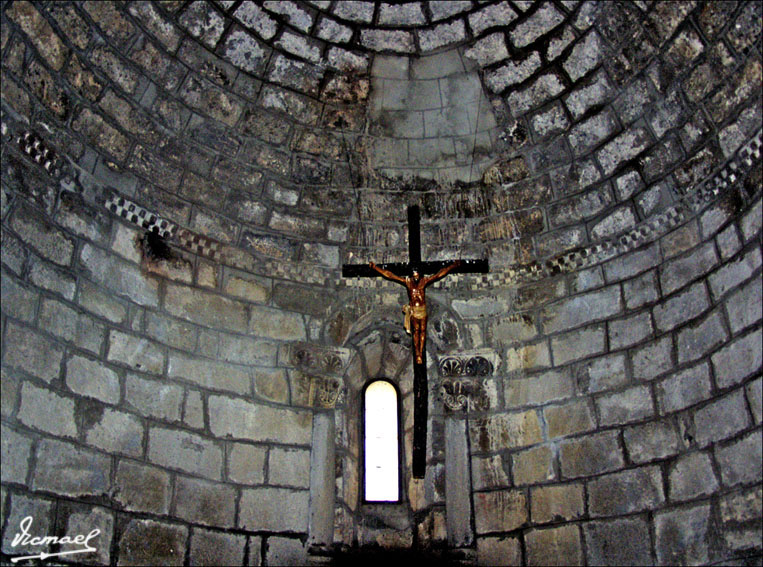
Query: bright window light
{"points": [[381, 443]]}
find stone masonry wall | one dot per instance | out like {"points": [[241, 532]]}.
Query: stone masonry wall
{"points": [[182, 360]]}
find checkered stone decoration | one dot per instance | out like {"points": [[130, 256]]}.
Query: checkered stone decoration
{"points": [[199, 244], [696, 199], [34, 147], [138, 215]]}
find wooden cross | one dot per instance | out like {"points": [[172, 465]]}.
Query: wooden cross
{"points": [[420, 402]]}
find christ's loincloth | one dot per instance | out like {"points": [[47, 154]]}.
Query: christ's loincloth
{"points": [[416, 312]]}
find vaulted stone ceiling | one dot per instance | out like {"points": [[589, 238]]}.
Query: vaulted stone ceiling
{"points": [[182, 181]]}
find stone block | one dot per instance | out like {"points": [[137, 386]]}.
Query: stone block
{"points": [[536, 25], [46, 276], [40, 33], [274, 509], [260, 423], [755, 398], [136, 352], [489, 472], [683, 536], [102, 304], [18, 302], [16, 450], [489, 49], [578, 344], [498, 550], [723, 418], [539, 389], [745, 306], [558, 503], [507, 329], [697, 340], [115, 432], [684, 389], [679, 241], [58, 417], [185, 451], [652, 359], [651, 441], [555, 546], [203, 502], [512, 73], [83, 521], [682, 307], [678, 272], [501, 511], [734, 273], [31, 352], [528, 356], [20, 507], [633, 404], [206, 309], [67, 470], [591, 454], [629, 331], [626, 492], [92, 378], [752, 221], [193, 409], [601, 374], [285, 551], [152, 398], [580, 207], [276, 324], [67, 324], [738, 359], [589, 133], [741, 506], [576, 311], [173, 332], [10, 388], [209, 374], [289, 467], [618, 542], [740, 461], [210, 547], [121, 277], [624, 147], [641, 290], [148, 542], [568, 419], [691, 476], [246, 463], [142, 488], [497, 432], [532, 465]]}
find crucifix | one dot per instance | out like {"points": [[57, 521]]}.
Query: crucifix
{"points": [[415, 275]]}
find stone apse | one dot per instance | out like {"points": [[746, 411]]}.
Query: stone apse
{"points": [[183, 363]]}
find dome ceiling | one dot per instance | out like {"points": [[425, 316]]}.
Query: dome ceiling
{"points": [[295, 133]]}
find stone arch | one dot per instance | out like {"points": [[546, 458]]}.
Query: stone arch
{"points": [[381, 350]]}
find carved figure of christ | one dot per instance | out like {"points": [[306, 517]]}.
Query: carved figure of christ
{"points": [[413, 275], [416, 310]]}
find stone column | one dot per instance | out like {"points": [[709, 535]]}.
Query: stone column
{"points": [[322, 480], [458, 508]]}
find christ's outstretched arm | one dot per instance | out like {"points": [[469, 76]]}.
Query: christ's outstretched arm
{"points": [[442, 273], [387, 274]]}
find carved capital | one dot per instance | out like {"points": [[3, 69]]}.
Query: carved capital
{"points": [[318, 391], [465, 379], [318, 382], [319, 360]]}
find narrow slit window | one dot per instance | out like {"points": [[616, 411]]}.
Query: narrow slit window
{"points": [[381, 443]]}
